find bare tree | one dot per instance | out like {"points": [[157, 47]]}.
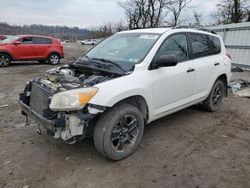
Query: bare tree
{"points": [[175, 8], [105, 29], [143, 13], [152, 13], [197, 18], [231, 11], [119, 26], [248, 16], [155, 10]]}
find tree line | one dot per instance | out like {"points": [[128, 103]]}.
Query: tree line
{"points": [[153, 13], [63, 32], [141, 14]]}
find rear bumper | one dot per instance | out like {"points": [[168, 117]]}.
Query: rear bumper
{"points": [[50, 125]]}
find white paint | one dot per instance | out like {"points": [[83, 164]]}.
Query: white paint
{"points": [[168, 89]]}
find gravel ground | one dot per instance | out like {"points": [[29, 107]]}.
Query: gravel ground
{"points": [[190, 148]]}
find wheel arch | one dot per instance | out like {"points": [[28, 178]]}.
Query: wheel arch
{"points": [[7, 53], [139, 102], [224, 79], [54, 52]]}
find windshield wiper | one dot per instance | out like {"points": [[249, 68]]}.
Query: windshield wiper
{"points": [[98, 64], [111, 62]]}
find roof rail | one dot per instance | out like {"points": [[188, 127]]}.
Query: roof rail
{"points": [[181, 27], [195, 27], [150, 27]]}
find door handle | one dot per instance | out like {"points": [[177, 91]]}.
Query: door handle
{"points": [[216, 64], [190, 70]]}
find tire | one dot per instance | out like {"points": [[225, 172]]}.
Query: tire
{"points": [[215, 98], [54, 59], [119, 131], [5, 60]]}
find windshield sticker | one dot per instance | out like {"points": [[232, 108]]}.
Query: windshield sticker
{"points": [[153, 37], [133, 60]]}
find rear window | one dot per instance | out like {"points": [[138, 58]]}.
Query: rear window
{"points": [[199, 44], [39, 40], [216, 44]]}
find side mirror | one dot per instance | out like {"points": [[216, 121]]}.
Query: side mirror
{"points": [[166, 61], [17, 43]]}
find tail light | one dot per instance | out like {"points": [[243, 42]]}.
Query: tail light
{"points": [[229, 56]]}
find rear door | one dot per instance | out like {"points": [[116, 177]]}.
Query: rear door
{"points": [[203, 62], [41, 47], [217, 56]]}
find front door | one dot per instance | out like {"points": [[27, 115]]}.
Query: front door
{"points": [[23, 50], [173, 86]]}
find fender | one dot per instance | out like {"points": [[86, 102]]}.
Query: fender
{"points": [[116, 90], [214, 80]]}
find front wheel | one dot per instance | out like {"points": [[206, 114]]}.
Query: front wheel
{"points": [[54, 59], [214, 100], [118, 132], [5, 60]]}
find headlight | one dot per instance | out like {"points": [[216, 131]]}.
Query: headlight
{"points": [[73, 99]]}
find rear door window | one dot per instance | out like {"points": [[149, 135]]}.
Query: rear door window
{"points": [[40, 40], [199, 44]]}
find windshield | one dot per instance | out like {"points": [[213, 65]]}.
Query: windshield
{"points": [[124, 48], [9, 39]]}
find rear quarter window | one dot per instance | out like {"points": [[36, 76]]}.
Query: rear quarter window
{"points": [[215, 44]]}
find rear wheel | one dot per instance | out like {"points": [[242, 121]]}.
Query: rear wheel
{"points": [[214, 100], [5, 60], [54, 59], [118, 132]]}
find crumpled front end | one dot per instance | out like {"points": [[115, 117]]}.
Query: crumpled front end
{"points": [[70, 125]]}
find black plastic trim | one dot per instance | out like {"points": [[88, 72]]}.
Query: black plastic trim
{"points": [[48, 124]]}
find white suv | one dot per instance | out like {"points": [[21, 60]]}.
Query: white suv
{"points": [[127, 81], [88, 42]]}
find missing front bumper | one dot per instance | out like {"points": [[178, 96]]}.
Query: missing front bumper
{"points": [[50, 125]]}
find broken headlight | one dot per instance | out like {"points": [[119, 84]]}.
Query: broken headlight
{"points": [[73, 99]]}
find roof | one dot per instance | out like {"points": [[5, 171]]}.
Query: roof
{"points": [[162, 30], [35, 36], [149, 30]]}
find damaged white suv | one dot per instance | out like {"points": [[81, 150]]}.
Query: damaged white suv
{"points": [[127, 81]]}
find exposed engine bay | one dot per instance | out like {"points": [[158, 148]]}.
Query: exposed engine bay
{"points": [[70, 125], [69, 77]]}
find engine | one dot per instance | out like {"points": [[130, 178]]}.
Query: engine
{"points": [[66, 78]]}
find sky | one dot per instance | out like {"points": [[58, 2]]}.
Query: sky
{"points": [[80, 13]]}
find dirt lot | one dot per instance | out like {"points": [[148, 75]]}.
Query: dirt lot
{"points": [[191, 148]]}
